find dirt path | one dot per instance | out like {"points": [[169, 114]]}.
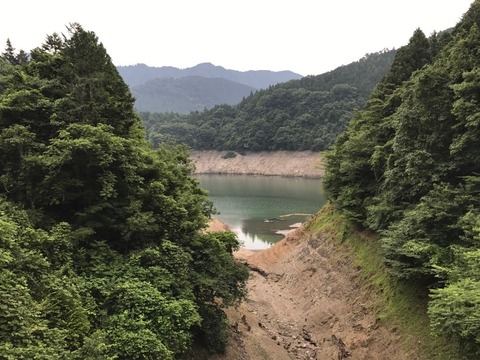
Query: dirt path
{"points": [[305, 302]]}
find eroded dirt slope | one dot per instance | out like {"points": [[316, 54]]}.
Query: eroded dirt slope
{"points": [[306, 302], [306, 299]]}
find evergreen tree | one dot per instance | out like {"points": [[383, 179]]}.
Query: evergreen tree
{"points": [[9, 53], [102, 250], [359, 157], [408, 167]]}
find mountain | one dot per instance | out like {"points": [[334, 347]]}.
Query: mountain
{"points": [[303, 114], [138, 74], [170, 89], [190, 93]]}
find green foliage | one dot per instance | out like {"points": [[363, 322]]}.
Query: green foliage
{"points": [[358, 160], [218, 277], [214, 325], [132, 339], [138, 305], [102, 254], [455, 310], [408, 167], [395, 301], [305, 114], [229, 155]]}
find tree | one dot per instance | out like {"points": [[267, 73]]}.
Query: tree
{"points": [[357, 160], [274, 118], [407, 166], [9, 53], [101, 243]]}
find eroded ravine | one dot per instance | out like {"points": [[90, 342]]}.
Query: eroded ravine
{"points": [[305, 296], [306, 302]]}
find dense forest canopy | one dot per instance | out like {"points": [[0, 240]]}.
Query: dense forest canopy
{"points": [[102, 249], [408, 166], [304, 114]]}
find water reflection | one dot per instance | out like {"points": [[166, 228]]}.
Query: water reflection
{"points": [[270, 230], [256, 207]]}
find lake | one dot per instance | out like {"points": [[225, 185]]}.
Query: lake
{"points": [[256, 207]]}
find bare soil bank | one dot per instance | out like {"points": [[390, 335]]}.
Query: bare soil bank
{"points": [[306, 301], [279, 163]]}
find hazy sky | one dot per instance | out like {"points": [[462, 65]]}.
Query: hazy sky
{"points": [[309, 37]]}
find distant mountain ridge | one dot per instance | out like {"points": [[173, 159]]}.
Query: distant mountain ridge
{"points": [[170, 89], [297, 115], [190, 93], [138, 74]]}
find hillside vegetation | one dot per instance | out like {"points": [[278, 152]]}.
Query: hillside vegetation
{"points": [[103, 253], [305, 114], [408, 167], [102, 249], [169, 89], [191, 93]]}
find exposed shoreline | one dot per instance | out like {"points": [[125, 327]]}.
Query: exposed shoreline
{"points": [[304, 300], [307, 164]]}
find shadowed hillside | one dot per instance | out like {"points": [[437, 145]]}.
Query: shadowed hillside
{"points": [[169, 89], [191, 93], [304, 114]]}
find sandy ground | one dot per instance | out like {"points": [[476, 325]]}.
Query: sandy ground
{"points": [[216, 225], [306, 301], [280, 163]]}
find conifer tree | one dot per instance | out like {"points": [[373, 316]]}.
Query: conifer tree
{"points": [[418, 182], [102, 253], [9, 53]]}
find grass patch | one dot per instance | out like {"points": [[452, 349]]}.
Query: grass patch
{"points": [[229, 155], [398, 303]]}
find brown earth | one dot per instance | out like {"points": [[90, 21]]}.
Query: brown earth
{"points": [[280, 163], [217, 225], [305, 298], [306, 301]]}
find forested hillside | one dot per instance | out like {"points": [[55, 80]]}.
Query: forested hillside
{"points": [[190, 93], [305, 114], [102, 253], [169, 89], [408, 167]]}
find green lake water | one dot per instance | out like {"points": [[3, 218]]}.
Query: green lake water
{"points": [[256, 207]]}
